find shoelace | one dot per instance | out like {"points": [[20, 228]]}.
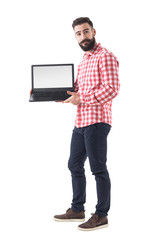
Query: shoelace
{"points": [[94, 217], [68, 210]]}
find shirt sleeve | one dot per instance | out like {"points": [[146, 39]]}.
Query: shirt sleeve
{"points": [[108, 70], [76, 87]]}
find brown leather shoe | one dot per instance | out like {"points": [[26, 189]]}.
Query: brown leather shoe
{"points": [[95, 222], [70, 216]]}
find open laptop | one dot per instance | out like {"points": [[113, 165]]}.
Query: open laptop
{"points": [[50, 82]]}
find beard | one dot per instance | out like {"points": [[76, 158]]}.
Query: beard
{"points": [[89, 44]]}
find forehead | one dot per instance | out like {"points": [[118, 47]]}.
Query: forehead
{"points": [[82, 27]]}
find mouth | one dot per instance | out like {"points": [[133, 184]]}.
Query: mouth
{"points": [[85, 42]]}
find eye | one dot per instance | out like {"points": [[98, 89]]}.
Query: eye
{"points": [[78, 34], [86, 31]]}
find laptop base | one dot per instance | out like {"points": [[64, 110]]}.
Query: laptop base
{"points": [[42, 97]]}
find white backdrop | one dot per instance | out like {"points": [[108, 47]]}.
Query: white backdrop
{"points": [[35, 183]]}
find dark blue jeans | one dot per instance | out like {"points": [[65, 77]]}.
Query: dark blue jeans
{"points": [[91, 142]]}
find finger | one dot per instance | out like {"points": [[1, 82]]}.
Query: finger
{"points": [[71, 93], [68, 100]]}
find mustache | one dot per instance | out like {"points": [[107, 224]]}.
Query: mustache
{"points": [[86, 40]]}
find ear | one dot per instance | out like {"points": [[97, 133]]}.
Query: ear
{"points": [[94, 32]]}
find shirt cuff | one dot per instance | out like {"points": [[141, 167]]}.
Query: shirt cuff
{"points": [[89, 99]]}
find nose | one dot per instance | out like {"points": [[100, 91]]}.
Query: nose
{"points": [[83, 37]]}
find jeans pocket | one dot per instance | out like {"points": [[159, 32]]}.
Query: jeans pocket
{"points": [[103, 127]]}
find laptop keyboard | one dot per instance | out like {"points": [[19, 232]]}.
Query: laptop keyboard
{"points": [[62, 95]]}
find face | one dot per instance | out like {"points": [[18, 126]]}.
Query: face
{"points": [[85, 36]]}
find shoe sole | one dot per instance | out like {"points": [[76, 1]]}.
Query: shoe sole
{"points": [[69, 220], [91, 229]]}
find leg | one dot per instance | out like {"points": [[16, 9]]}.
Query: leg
{"points": [[76, 166], [96, 147]]}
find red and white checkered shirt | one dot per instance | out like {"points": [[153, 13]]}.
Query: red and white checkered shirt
{"points": [[97, 84]]}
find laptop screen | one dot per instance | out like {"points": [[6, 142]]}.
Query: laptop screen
{"points": [[53, 76]]}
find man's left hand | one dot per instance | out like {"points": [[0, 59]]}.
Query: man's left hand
{"points": [[74, 99]]}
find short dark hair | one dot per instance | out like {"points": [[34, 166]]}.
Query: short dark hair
{"points": [[82, 20]]}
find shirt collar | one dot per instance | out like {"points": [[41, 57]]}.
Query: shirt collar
{"points": [[93, 51]]}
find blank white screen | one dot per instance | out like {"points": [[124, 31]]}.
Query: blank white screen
{"points": [[52, 76]]}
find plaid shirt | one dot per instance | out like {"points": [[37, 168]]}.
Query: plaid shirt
{"points": [[97, 84]]}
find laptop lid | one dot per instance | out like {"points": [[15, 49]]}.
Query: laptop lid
{"points": [[52, 77]]}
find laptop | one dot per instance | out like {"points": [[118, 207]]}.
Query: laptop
{"points": [[50, 82]]}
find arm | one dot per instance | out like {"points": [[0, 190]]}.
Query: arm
{"points": [[74, 99], [108, 67], [76, 86]]}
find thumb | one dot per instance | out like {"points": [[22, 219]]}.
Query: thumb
{"points": [[71, 93]]}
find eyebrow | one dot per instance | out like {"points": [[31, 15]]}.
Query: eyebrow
{"points": [[83, 30]]}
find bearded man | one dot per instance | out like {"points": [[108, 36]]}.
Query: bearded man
{"points": [[96, 85]]}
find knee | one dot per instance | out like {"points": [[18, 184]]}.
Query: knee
{"points": [[70, 165], [75, 169], [99, 171]]}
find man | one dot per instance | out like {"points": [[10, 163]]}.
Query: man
{"points": [[96, 85]]}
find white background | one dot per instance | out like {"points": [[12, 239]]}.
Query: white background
{"points": [[35, 183]]}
